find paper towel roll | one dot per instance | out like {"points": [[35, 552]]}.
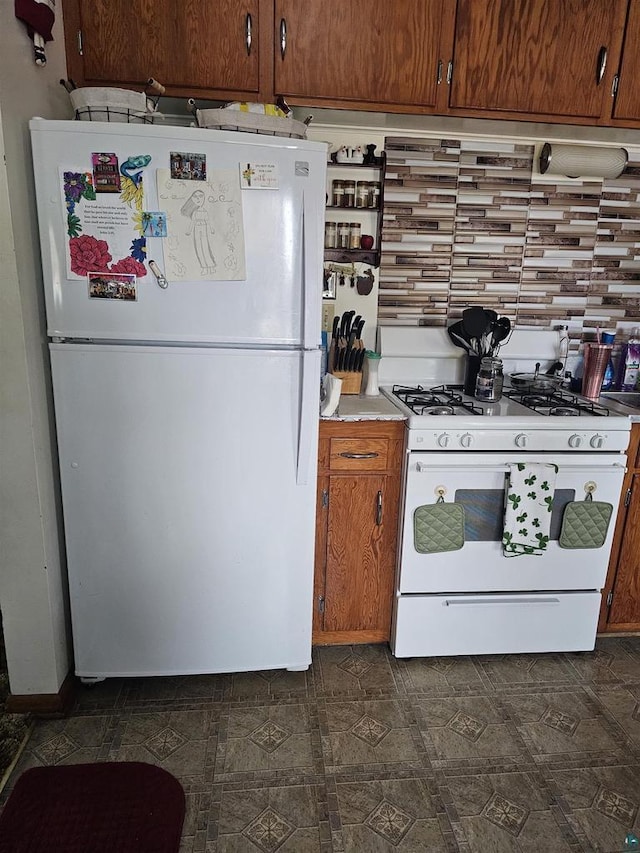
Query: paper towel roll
{"points": [[576, 161]]}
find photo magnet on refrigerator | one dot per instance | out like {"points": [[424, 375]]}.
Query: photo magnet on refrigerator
{"points": [[188, 167], [154, 223], [103, 285], [106, 173]]}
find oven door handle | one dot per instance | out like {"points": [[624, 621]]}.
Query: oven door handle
{"points": [[429, 468], [484, 601]]}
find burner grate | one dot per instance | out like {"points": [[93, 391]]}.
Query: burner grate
{"points": [[440, 400], [556, 403]]}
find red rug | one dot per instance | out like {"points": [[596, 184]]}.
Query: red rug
{"points": [[123, 807]]}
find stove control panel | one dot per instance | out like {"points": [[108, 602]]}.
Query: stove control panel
{"points": [[527, 440]]}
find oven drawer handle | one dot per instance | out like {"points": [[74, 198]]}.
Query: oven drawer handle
{"points": [[359, 455], [473, 602]]}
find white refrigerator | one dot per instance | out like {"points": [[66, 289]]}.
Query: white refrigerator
{"points": [[186, 403]]}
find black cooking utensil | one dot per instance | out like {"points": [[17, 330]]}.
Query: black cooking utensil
{"points": [[501, 331], [475, 324], [359, 328], [458, 336]]}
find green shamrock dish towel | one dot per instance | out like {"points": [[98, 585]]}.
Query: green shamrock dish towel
{"points": [[527, 514]]}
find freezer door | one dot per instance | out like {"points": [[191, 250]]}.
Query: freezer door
{"points": [[279, 301], [190, 541]]}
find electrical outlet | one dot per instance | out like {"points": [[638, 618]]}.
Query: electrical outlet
{"points": [[328, 313]]}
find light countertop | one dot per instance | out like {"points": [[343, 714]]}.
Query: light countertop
{"points": [[357, 407]]}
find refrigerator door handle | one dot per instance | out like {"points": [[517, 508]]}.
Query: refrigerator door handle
{"points": [[307, 416], [312, 264]]}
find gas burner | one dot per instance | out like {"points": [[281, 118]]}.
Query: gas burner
{"points": [[425, 399], [437, 410], [564, 411], [557, 403], [441, 400]]}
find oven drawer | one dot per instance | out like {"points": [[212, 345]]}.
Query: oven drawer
{"points": [[428, 625], [359, 454]]}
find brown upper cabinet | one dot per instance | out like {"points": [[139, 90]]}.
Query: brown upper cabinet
{"points": [[194, 48], [626, 108], [373, 52], [534, 60], [546, 58]]}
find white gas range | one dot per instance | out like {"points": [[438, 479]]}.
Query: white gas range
{"points": [[458, 591]]}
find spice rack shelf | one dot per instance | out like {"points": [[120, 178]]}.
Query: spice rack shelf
{"points": [[367, 217]]}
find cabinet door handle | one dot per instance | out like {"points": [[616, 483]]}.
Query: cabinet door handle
{"points": [[379, 509], [248, 33], [601, 64], [359, 455], [449, 73], [283, 37], [439, 72]]}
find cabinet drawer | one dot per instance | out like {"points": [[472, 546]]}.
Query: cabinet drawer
{"points": [[359, 454]]}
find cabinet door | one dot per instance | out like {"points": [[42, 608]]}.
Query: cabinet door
{"points": [[370, 51], [624, 613], [627, 103], [358, 585], [195, 44], [536, 56]]}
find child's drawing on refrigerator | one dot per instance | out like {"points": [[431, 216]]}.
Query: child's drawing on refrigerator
{"points": [[206, 239]]}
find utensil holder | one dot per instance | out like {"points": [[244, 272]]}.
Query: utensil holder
{"points": [[471, 368], [351, 380]]}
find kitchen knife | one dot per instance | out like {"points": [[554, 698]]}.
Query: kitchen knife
{"points": [[334, 332], [350, 316], [359, 328]]}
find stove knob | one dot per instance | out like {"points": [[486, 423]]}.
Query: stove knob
{"points": [[466, 440], [596, 441], [575, 440], [443, 439], [521, 440]]}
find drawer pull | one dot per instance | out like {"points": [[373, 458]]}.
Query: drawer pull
{"points": [[359, 455], [472, 602]]}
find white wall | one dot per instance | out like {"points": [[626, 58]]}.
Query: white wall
{"points": [[32, 572]]}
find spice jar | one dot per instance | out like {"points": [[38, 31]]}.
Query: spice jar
{"points": [[362, 194], [343, 235], [374, 194], [330, 235], [349, 194], [489, 380], [355, 232], [337, 194]]}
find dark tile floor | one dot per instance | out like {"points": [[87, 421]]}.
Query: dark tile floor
{"points": [[368, 754]]}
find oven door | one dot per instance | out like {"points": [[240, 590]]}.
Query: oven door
{"points": [[478, 481]]}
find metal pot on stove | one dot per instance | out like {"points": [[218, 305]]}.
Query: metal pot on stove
{"points": [[538, 382]]}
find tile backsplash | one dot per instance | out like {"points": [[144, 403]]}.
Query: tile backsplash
{"points": [[473, 222]]}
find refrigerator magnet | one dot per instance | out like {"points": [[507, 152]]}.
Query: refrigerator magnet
{"points": [[258, 176], [110, 285], [154, 223], [188, 167], [106, 173]]}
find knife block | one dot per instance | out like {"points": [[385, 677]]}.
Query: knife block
{"points": [[351, 380]]}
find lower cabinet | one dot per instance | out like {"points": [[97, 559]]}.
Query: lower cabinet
{"points": [[620, 609], [359, 475]]}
